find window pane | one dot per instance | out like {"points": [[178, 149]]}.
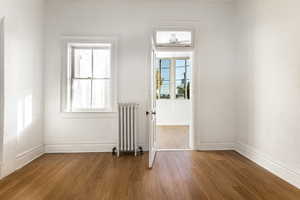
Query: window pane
{"points": [[180, 89], [188, 72], [165, 74], [180, 63], [163, 85], [101, 94], [180, 38], [165, 90], [165, 65], [81, 94], [101, 63], [180, 73], [82, 63]]}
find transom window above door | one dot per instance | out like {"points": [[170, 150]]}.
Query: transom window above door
{"points": [[173, 78], [173, 38]]}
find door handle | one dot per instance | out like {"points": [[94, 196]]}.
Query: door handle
{"points": [[152, 112]]}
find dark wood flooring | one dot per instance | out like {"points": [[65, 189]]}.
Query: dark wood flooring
{"points": [[176, 175]]}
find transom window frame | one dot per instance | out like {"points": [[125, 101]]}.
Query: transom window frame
{"points": [[173, 47], [68, 43]]}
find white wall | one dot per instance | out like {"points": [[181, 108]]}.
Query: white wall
{"points": [[173, 112], [269, 85], [132, 21], [23, 53], [1, 88]]}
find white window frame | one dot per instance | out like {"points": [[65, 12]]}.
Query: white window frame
{"points": [[66, 76]]}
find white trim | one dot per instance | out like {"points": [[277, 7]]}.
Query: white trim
{"points": [[214, 146], [175, 124], [79, 147], [28, 156], [172, 150], [277, 168]]}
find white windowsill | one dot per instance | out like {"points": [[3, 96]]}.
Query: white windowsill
{"points": [[88, 114]]}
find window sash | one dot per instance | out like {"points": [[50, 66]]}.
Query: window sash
{"points": [[90, 78]]}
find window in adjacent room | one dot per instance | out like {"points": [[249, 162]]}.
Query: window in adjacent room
{"points": [[182, 78], [173, 78], [164, 78]]}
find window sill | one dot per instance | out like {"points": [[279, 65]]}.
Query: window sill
{"points": [[89, 114]]}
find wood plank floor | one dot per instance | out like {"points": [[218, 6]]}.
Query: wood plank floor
{"points": [[176, 175], [173, 137]]}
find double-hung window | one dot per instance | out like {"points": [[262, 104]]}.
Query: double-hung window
{"points": [[89, 78]]}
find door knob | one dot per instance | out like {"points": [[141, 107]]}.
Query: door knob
{"points": [[152, 112]]}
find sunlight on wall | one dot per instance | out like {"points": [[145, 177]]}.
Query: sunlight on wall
{"points": [[24, 113]]}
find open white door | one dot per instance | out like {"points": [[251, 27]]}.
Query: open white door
{"points": [[152, 111]]}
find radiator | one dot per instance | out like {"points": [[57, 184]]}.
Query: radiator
{"points": [[127, 128]]}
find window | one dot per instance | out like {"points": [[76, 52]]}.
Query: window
{"points": [[164, 78], [89, 78], [173, 78], [182, 78], [173, 38]]}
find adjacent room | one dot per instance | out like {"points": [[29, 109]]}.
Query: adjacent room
{"points": [[128, 99], [173, 99]]}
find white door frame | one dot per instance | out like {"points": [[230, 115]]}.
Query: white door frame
{"points": [[188, 26]]}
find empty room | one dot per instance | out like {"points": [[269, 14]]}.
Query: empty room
{"points": [[149, 99]]}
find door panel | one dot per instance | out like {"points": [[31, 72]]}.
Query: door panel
{"points": [[152, 111]]}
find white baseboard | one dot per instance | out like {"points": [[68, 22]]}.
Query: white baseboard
{"points": [[214, 146], [79, 147], [26, 157], [266, 162]]}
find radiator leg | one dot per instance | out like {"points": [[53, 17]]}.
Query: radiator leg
{"points": [[141, 150], [114, 151]]}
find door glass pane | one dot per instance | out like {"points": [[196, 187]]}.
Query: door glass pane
{"points": [[81, 94], [101, 63], [101, 94], [82, 63]]}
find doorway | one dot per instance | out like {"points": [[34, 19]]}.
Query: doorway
{"points": [[170, 113], [173, 100]]}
